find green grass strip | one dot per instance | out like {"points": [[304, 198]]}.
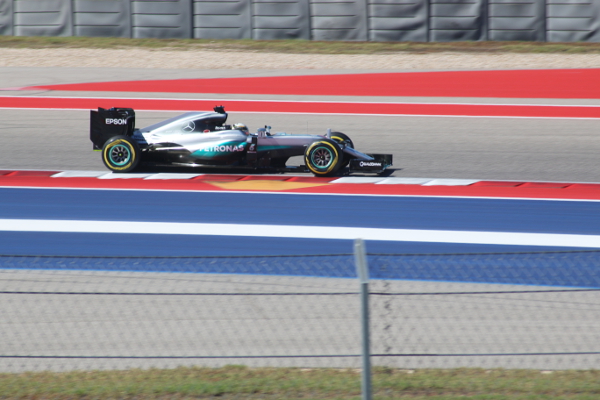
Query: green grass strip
{"points": [[235, 382], [296, 46]]}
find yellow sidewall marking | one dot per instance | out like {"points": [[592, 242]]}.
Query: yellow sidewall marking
{"points": [[113, 144], [333, 164]]}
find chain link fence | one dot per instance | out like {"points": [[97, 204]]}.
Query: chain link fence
{"points": [[520, 310]]}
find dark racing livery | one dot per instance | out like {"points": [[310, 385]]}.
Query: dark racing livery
{"points": [[203, 139]]}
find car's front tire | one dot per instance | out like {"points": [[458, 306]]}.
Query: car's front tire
{"points": [[121, 154], [323, 157]]}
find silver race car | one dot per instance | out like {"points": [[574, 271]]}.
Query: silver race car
{"points": [[202, 139]]}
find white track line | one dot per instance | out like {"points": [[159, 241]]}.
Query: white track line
{"points": [[302, 232]]}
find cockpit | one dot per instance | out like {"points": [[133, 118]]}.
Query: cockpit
{"points": [[192, 122]]}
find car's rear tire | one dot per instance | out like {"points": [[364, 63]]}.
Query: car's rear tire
{"points": [[323, 157], [343, 140], [121, 154]]}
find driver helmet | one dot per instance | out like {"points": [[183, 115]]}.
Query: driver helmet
{"points": [[240, 127]]}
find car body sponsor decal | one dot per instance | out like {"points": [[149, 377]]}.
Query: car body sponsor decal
{"points": [[211, 149]]}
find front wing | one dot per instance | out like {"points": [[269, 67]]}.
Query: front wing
{"points": [[370, 163], [377, 164]]}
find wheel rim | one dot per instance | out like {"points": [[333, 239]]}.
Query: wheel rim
{"points": [[119, 155], [321, 157]]}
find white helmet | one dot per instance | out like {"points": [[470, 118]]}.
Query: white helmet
{"points": [[240, 127]]}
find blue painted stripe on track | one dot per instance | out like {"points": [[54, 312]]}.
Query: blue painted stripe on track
{"points": [[495, 215], [568, 269]]}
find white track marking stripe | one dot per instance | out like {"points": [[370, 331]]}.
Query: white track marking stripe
{"points": [[304, 232]]}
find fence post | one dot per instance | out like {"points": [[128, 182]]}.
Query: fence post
{"points": [[362, 269]]}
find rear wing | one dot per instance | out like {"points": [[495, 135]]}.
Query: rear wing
{"points": [[105, 124]]}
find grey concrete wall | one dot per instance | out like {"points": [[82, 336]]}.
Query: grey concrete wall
{"points": [[398, 20], [350, 20], [102, 18], [573, 21], [338, 19], [6, 17], [280, 19], [517, 20], [219, 19], [161, 19], [453, 20], [42, 18]]}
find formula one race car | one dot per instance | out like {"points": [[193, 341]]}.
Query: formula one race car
{"points": [[203, 139]]}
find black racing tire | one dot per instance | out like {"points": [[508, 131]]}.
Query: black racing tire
{"points": [[343, 140], [121, 154], [323, 157]]}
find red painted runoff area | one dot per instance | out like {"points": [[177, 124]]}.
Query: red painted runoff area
{"points": [[208, 182], [552, 83], [471, 110]]}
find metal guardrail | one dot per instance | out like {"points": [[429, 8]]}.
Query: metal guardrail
{"points": [[352, 20]]}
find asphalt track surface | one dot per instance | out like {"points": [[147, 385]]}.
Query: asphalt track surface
{"points": [[539, 149], [547, 149]]}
